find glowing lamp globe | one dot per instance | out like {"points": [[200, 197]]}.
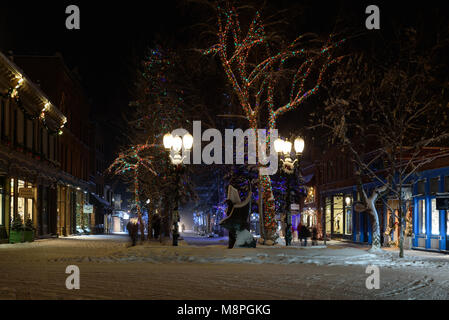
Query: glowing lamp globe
{"points": [[177, 143], [279, 145], [348, 201], [187, 141], [299, 145], [287, 147], [168, 141]]}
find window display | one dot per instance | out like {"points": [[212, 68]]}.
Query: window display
{"points": [[338, 214], [435, 218], [422, 216]]}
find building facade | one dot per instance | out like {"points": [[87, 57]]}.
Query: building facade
{"points": [[47, 148], [342, 217], [30, 131]]}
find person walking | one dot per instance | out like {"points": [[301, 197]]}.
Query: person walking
{"points": [[314, 236], [133, 230], [301, 233]]}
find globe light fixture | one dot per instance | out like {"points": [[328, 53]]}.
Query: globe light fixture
{"points": [[299, 145], [348, 201], [187, 141], [287, 147], [177, 143], [279, 145], [168, 141]]}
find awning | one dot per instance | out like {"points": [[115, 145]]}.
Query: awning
{"points": [[99, 201]]}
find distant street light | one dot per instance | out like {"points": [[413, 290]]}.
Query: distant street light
{"points": [[284, 149], [175, 144]]}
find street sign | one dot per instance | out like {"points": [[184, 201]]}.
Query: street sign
{"points": [[88, 208], [26, 192]]}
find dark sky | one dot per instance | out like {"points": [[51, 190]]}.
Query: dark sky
{"points": [[114, 34]]}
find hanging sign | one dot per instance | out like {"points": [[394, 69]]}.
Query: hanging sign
{"points": [[26, 192]]}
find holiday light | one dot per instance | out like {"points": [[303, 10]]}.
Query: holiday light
{"points": [[13, 93], [254, 84]]}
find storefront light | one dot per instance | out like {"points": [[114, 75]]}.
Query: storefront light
{"points": [[348, 201]]}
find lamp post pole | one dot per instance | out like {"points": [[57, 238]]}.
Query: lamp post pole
{"points": [[288, 166], [176, 144], [175, 218], [288, 212]]}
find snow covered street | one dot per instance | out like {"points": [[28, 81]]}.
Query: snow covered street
{"points": [[110, 269]]}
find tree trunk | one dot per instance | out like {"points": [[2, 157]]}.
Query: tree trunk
{"points": [[371, 202], [376, 245], [261, 217], [401, 234]]}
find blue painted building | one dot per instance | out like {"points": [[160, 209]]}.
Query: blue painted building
{"points": [[429, 226]]}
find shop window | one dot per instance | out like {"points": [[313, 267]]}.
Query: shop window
{"points": [[348, 222], [338, 214], [21, 201], [12, 200], [422, 216], [421, 187], [434, 182], [435, 218], [446, 184]]}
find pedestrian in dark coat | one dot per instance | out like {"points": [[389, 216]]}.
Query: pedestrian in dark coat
{"points": [[302, 233], [314, 236], [133, 230]]}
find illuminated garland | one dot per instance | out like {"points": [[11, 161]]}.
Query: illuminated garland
{"points": [[13, 94]]}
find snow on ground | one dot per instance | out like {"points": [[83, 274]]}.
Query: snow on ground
{"points": [[206, 269]]}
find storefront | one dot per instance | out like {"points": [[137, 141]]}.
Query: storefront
{"points": [[22, 201], [430, 217], [339, 220]]}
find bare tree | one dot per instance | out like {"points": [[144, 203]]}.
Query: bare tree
{"points": [[391, 118], [260, 67]]}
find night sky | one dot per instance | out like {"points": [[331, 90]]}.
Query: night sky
{"points": [[114, 35]]}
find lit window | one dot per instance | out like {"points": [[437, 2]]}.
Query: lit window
{"points": [[435, 218], [422, 216], [338, 214]]}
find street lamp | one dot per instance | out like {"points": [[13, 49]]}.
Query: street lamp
{"points": [[284, 148], [175, 144]]}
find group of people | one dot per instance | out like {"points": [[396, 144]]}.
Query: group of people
{"points": [[133, 227], [304, 233]]}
